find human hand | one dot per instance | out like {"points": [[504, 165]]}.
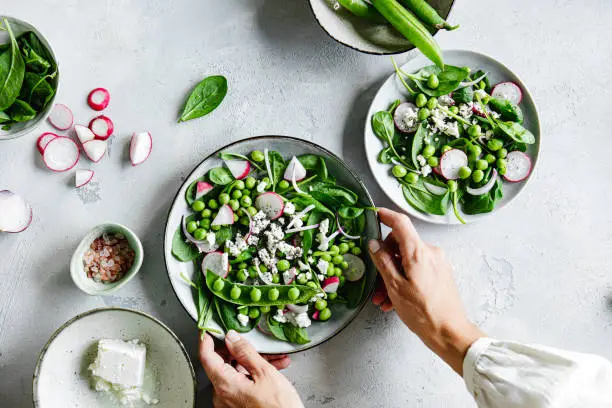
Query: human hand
{"points": [[419, 285], [254, 383]]}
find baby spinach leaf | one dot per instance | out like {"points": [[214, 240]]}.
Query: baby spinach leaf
{"points": [[182, 250], [483, 203], [486, 81], [21, 111], [36, 90], [224, 234], [353, 292], [190, 192], [393, 106], [383, 126], [236, 156], [316, 164], [204, 98], [516, 132], [417, 144], [450, 79], [350, 212], [385, 156], [332, 195], [354, 226], [277, 165], [522, 147], [463, 95], [313, 218], [276, 328], [4, 117], [220, 176], [295, 334], [33, 61], [227, 313], [507, 110], [304, 201], [12, 71], [421, 199]]}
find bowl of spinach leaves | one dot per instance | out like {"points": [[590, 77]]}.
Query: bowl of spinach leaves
{"points": [[29, 78]]}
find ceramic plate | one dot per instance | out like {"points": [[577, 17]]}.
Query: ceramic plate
{"points": [[392, 89], [61, 378], [286, 146], [364, 36]]}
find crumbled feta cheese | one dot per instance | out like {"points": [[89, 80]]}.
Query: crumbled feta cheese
{"points": [[261, 187], [421, 160], [322, 235], [297, 223], [426, 170], [494, 114], [452, 129], [488, 134], [303, 266], [289, 208], [266, 258], [280, 316], [260, 223], [410, 117], [322, 266], [324, 226], [310, 259], [289, 251], [445, 100], [236, 248], [211, 239], [289, 276], [316, 297], [281, 220], [465, 110], [308, 275], [321, 277], [301, 319], [243, 319], [253, 240]]}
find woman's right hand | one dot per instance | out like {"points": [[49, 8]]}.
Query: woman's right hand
{"points": [[419, 285]]}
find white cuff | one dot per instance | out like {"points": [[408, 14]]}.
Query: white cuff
{"points": [[471, 359]]}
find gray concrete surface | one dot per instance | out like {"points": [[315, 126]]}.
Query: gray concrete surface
{"points": [[539, 271]]}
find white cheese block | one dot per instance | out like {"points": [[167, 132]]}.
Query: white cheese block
{"points": [[120, 363]]}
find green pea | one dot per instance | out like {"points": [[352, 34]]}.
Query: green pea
{"points": [[482, 164], [212, 204], [454, 109], [332, 296], [477, 176], [423, 114], [331, 271], [198, 206], [235, 293], [320, 304], [490, 158], [476, 150], [264, 309], [199, 234], [255, 294], [252, 272], [239, 184], [399, 171], [351, 244], [236, 194], [192, 226], [252, 211], [245, 221], [283, 265], [234, 204], [325, 314], [242, 275], [501, 170], [344, 247], [236, 218], [337, 259], [254, 313], [283, 184], [301, 279], [433, 161], [433, 82], [421, 100], [218, 285], [223, 198], [257, 156], [344, 265], [311, 284], [293, 294], [273, 294], [501, 163], [263, 268], [495, 144], [428, 151], [452, 185], [250, 182], [266, 180], [464, 172], [334, 249], [242, 265], [411, 178], [474, 131], [482, 85], [215, 228], [432, 103], [342, 280], [446, 148], [206, 213], [205, 223], [276, 278], [338, 272], [326, 257], [356, 251], [502, 153], [243, 311]]}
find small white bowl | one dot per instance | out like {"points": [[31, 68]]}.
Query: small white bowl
{"points": [[88, 285]]}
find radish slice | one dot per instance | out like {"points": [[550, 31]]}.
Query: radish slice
{"points": [[356, 267], [315, 315], [202, 188], [271, 204], [518, 166], [82, 177], [15, 213], [43, 141], [140, 147], [216, 262], [435, 190], [451, 162], [102, 127], [484, 189], [405, 117], [437, 170], [298, 308], [61, 117], [95, 149], [264, 327], [225, 216], [203, 245], [239, 168], [295, 170], [342, 229], [304, 228], [98, 99], [330, 285], [477, 110], [289, 276], [508, 91], [61, 154], [84, 133]]}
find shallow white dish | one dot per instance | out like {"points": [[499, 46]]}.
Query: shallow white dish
{"points": [[61, 378], [392, 89], [286, 146]]}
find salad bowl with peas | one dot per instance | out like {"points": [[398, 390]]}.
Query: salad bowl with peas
{"points": [[452, 145], [267, 237]]}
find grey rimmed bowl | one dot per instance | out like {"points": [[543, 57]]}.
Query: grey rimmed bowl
{"points": [[287, 147], [362, 35]]}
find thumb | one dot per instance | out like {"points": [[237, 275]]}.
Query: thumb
{"points": [[245, 354], [384, 261]]}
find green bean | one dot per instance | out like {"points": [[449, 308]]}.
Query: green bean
{"points": [[428, 14], [361, 8]]}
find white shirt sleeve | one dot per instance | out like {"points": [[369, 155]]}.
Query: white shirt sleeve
{"points": [[503, 374]]}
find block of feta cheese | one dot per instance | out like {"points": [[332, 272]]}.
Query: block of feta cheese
{"points": [[120, 363]]}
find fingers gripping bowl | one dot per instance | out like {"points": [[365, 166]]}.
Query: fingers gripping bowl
{"points": [[286, 265]]}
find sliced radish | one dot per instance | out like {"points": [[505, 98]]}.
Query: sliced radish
{"points": [[298, 308], [140, 147], [289, 276], [225, 216], [315, 315], [61, 117], [477, 110], [239, 168], [271, 204], [84, 134], [484, 189], [437, 170], [508, 91], [61, 154], [356, 267], [295, 170], [451, 162], [43, 141], [263, 326], [216, 262], [102, 127], [98, 99], [518, 166], [82, 177], [435, 190], [95, 149], [405, 117], [330, 285], [202, 188], [15, 212]]}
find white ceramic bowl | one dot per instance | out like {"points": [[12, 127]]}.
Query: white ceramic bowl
{"points": [[21, 129], [392, 89], [61, 378], [78, 274]]}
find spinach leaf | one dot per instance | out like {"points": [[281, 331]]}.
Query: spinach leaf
{"points": [[383, 126], [353, 292], [385, 156], [417, 144], [350, 212], [450, 79], [29, 40], [313, 218], [522, 147], [516, 132], [486, 81], [220, 176], [12, 71], [4, 117], [463, 95], [507, 110], [393, 106], [276, 328], [420, 198], [483, 203], [21, 111], [354, 226], [295, 334], [227, 313], [33, 61], [204, 98], [182, 250], [303, 201], [277, 166], [224, 234], [36, 90], [190, 192], [332, 195]]}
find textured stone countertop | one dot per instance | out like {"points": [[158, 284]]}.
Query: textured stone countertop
{"points": [[538, 271]]}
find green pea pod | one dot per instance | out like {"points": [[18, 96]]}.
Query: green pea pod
{"points": [[361, 8], [428, 14], [406, 23], [306, 292]]}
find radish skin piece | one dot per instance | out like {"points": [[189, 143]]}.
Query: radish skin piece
{"points": [[98, 99], [95, 149], [216, 262], [141, 146], [202, 188], [295, 170], [239, 168], [84, 134], [508, 91], [315, 315], [82, 177], [15, 213], [102, 127], [43, 141], [61, 117], [225, 216], [289, 277], [271, 204], [61, 154], [330, 285]]}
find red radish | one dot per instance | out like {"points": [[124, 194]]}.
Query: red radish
{"points": [[216, 262], [297, 167], [43, 141], [271, 204], [518, 166], [140, 147], [102, 127], [98, 99], [84, 134], [484, 189], [437, 170], [202, 188], [239, 168], [289, 276], [15, 213], [477, 110], [225, 216], [435, 190], [508, 91], [330, 285], [298, 308], [95, 149], [82, 177], [61, 117], [61, 154], [356, 267], [315, 315], [451, 162], [405, 117]]}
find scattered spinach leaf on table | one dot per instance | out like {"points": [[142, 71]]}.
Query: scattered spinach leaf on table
{"points": [[204, 98]]}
